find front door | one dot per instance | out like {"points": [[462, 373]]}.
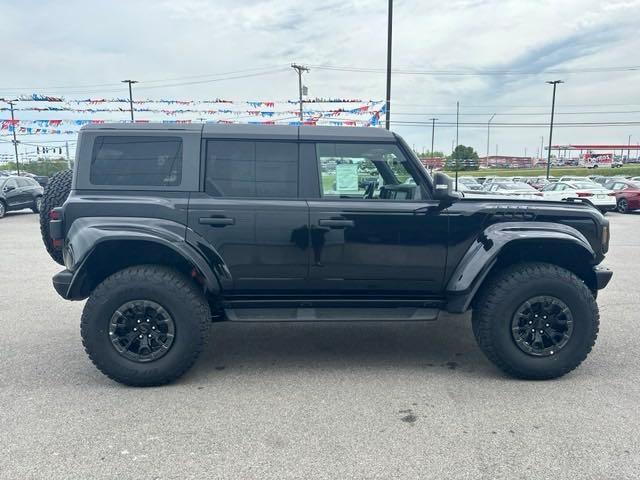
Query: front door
{"points": [[373, 230], [249, 212], [12, 194]]}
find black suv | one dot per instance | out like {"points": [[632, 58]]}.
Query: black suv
{"points": [[17, 193], [166, 229]]}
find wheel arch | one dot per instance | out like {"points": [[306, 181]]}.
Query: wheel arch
{"points": [[504, 245], [95, 249]]}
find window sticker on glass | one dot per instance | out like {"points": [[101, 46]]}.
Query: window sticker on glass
{"points": [[347, 178]]}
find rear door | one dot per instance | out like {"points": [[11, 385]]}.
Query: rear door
{"points": [[248, 210], [374, 236]]}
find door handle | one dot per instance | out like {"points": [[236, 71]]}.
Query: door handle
{"points": [[335, 223], [217, 221]]}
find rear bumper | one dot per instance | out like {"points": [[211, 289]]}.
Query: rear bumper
{"points": [[62, 282], [603, 275]]}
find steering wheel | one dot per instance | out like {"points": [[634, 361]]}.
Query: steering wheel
{"points": [[368, 192]]}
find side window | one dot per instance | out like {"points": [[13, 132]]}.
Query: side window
{"points": [[23, 182], [136, 161], [366, 171], [252, 169], [11, 183]]}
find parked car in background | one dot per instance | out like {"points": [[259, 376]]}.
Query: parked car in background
{"points": [[517, 189], [537, 182], [574, 178], [41, 179], [470, 184], [601, 198], [17, 193], [627, 194]]}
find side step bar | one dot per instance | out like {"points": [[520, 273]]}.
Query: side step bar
{"points": [[331, 314]]}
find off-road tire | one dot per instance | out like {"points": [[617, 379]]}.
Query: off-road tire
{"points": [[498, 301], [176, 293], [55, 194]]}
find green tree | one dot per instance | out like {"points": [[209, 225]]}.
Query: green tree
{"points": [[462, 158]]}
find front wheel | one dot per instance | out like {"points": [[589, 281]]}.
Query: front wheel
{"points": [[536, 321], [145, 325]]}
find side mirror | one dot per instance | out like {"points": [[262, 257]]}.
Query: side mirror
{"points": [[443, 188], [9, 188]]}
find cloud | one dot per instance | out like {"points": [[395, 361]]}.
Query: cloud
{"points": [[74, 42]]}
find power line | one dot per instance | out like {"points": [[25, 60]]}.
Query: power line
{"points": [[173, 79], [469, 72]]}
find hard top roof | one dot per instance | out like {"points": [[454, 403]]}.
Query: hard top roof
{"points": [[290, 132]]}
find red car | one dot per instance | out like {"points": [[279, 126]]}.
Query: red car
{"points": [[627, 194]]}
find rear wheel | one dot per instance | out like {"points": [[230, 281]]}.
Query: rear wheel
{"points": [[536, 321], [623, 206], [37, 205], [3, 209], [145, 325], [55, 194]]}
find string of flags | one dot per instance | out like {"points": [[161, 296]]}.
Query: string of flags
{"points": [[48, 98], [72, 114]]}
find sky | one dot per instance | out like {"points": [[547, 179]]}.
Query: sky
{"points": [[491, 56]]}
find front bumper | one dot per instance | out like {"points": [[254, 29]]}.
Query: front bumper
{"points": [[603, 275], [62, 282]]}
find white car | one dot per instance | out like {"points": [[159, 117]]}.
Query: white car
{"points": [[515, 189], [601, 198]]}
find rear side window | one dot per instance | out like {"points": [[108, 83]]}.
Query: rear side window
{"points": [[252, 169], [137, 161]]}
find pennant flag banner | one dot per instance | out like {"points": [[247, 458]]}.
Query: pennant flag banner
{"points": [[72, 114]]}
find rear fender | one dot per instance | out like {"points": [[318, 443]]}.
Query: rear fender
{"points": [[119, 242], [484, 253]]}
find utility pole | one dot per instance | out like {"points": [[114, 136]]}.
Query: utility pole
{"points": [[488, 128], [541, 146], [389, 38], [15, 141], [433, 130], [553, 107], [457, 122], [130, 82], [629, 149], [299, 69]]}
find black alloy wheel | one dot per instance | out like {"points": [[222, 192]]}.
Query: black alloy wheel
{"points": [[142, 330], [542, 326]]}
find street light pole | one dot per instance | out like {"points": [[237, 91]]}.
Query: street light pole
{"points": [[130, 82], [553, 107], [629, 149], [433, 131], [389, 38], [488, 127], [300, 69], [15, 141], [457, 122]]}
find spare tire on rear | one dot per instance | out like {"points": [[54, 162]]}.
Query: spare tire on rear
{"points": [[55, 194]]}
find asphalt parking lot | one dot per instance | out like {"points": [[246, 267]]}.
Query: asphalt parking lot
{"points": [[332, 401]]}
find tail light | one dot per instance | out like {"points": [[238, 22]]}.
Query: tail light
{"points": [[612, 194], [584, 194]]}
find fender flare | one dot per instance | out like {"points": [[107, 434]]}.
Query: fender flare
{"points": [[88, 234], [483, 254]]}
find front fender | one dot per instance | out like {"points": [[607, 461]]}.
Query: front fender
{"points": [[483, 254], [87, 234]]}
